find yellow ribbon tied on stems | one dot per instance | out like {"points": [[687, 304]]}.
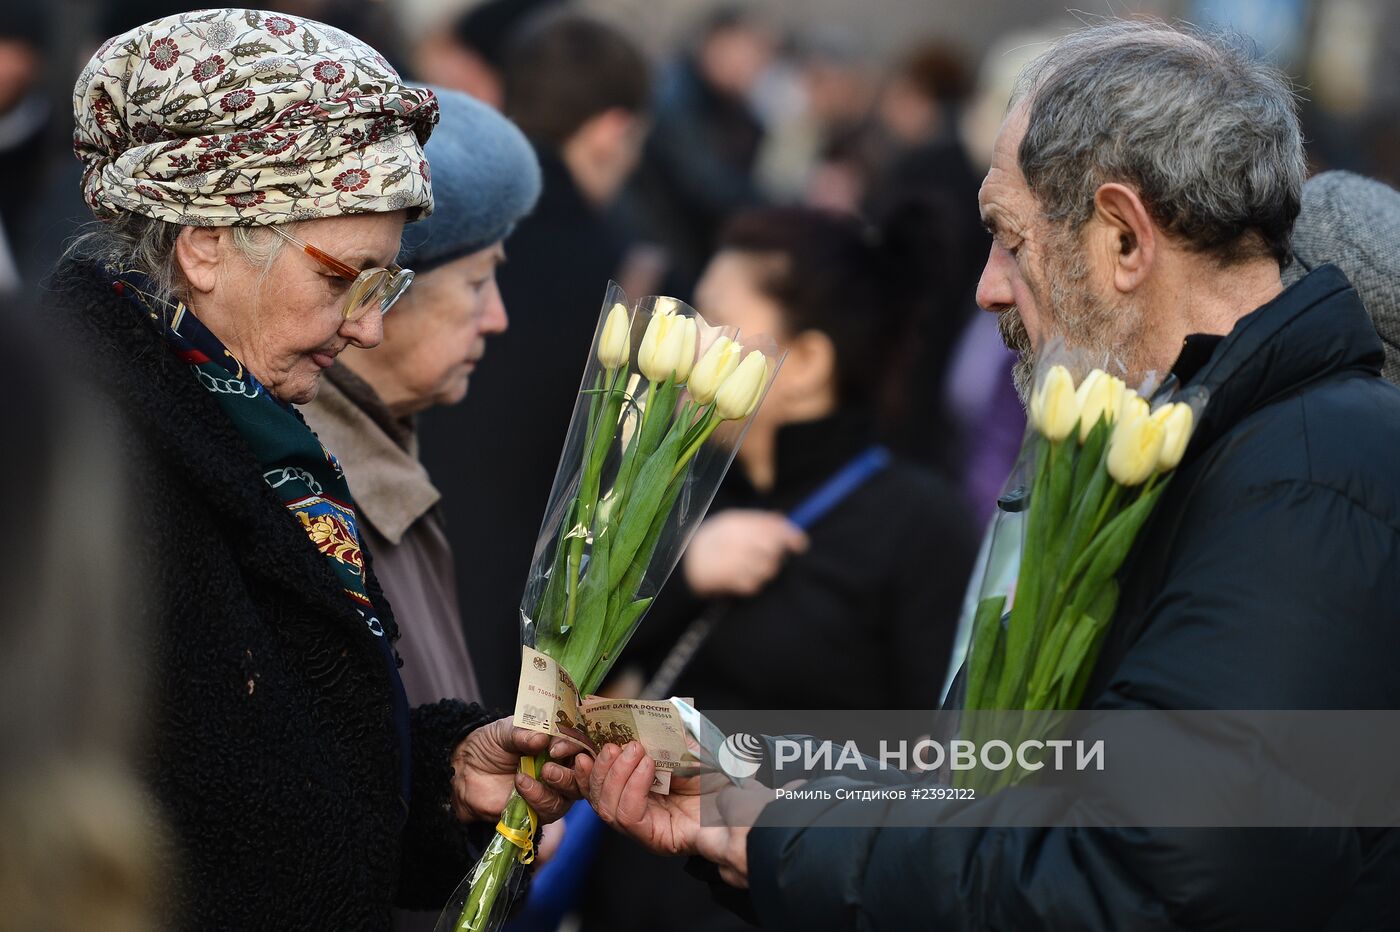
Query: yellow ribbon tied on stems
{"points": [[525, 841]]}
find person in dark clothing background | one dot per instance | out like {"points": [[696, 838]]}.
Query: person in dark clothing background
{"points": [[1142, 198], [698, 165], [468, 52], [839, 298], [79, 835], [918, 113], [579, 91], [924, 158], [27, 134], [860, 611]]}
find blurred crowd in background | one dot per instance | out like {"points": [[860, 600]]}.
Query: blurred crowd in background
{"points": [[661, 126], [822, 103]]}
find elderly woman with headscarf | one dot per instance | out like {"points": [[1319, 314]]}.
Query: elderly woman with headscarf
{"points": [[253, 173], [485, 178]]}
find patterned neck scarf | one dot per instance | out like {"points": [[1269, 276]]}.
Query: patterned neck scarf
{"points": [[305, 476]]}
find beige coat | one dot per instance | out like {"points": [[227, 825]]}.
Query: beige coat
{"points": [[403, 531]]}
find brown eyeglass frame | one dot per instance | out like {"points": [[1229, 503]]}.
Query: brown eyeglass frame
{"points": [[384, 285]]}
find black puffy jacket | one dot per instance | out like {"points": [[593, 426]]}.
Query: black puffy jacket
{"points": [[272, 750], [1267, 578]]}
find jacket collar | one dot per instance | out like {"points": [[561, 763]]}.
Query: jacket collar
{"points": [[1314, 329], [379, 452], [166, 404], [808, 452], [559, 194]]}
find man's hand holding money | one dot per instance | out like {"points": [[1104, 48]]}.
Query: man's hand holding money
{"points": [[618, 785]]}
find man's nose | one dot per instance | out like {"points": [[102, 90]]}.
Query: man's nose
{"points": [[994, 287]]}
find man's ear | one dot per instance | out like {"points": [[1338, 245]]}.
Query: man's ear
{"points": [[1128, 235], [199, 253]]}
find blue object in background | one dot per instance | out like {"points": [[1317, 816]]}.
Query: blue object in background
{"points": [[1278, 27], [556, 886], [834, 490]]}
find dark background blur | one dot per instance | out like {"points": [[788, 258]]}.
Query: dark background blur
{"points": [[831, 62]]}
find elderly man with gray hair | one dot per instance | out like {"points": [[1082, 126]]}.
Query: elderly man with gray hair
{"points": [[1141, 196]]}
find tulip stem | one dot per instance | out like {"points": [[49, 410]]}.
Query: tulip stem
{"points": [[711, 422], [1051, 619], [646, 410], [603, 419], [697, 424], [1108, 502], [633, 454]]}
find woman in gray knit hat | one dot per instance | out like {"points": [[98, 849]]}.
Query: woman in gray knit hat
{"points": [[485, 178], [1354, 223]]}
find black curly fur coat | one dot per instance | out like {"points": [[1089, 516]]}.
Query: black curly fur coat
{"points": [[271, 746]]}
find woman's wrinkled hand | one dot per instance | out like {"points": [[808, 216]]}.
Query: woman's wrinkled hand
{"points": [[485, 768]]}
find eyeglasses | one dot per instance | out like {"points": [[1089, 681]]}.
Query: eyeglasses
{"points": [[377, 287]]}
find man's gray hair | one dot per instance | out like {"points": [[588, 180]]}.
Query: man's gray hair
{"points": [[1208, 135]]}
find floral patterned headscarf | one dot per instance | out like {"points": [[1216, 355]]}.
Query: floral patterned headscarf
{"points": [[240, 117]]}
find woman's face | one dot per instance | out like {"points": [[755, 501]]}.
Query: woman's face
{"points": [[728, 294], [287, 324], [436, 334]]}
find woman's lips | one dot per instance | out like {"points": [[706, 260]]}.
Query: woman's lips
{"points": [[324, 360]]}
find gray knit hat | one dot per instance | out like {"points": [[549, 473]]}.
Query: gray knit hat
{"points": [[1354, 223], [485, 179]]}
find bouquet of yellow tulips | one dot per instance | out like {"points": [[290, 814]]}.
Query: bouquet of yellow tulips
{"points": [[664, 403], [1100, 455]]}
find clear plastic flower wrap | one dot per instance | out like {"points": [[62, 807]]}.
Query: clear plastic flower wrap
{"points": [[1096, 457], [664, 402]]}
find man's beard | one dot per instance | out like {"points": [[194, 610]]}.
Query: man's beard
{"points": [[1014, 335], [1071, 311]]}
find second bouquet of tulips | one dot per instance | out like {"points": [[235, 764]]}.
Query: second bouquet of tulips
{"points": [[663, 405], [1100, 455]]}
